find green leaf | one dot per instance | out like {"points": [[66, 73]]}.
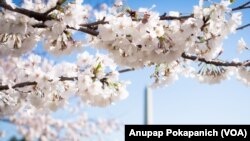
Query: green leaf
{"points": [[202, 39], [97, 68], [232, 1], [53, 16], [161, 39], [59, 8], [61, 1], [114, 85], [157, 68]]}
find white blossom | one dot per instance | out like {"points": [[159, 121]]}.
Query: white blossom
{"points": [[244, 76], [241, 45], [32, 87]]}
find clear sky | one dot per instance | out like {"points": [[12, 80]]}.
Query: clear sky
{"points": [[186, 101]]}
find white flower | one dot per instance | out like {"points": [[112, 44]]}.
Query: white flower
{"points": [[212, 79], [241, 45], [235, 21], [84, 82], [244, 76], [106, 32], [174, 13], [37, 100], [84, 58], [198, 12]]}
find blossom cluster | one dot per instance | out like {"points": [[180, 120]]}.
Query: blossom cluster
{"points": [[47, 128], [19, 33], [144, 38], [140, 38], [166, 74], [31, 84], [36, 82]]}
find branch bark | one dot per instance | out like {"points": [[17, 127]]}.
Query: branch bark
{"points": [[85, 30], [216, 62], [62, 78], [29, 13], [165, 17], [44, 17], [58, 4], [243, 6], [19, 85], [244, 26], [36, 15]]}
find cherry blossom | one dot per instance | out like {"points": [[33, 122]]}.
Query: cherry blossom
{"points": [[175, 44], [241, 45], [49, 85]]}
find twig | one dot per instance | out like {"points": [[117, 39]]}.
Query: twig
{"points": [[62, 78], [244, 26], [85, 30], [95, 23], [29, 13], [58, 4], [126, 70], [19, 85], [243, 6], [164, 17], [216, 62]]}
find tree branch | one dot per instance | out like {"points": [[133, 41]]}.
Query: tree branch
{"points": [[94, 23], [40, 25], [243, 6], [216, 62], [19, 85], [85, 30], [90, 25], [44, 17], [62, 78], [58, 4], [29, 13], [246, 7], [126, 70], [244, 26], [165, 17]]}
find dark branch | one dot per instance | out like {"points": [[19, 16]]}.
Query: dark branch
{"points": [[19, 85], [244, 26], [91, 31], [40, 25], [29, 13], [126, 70], [62, 78], [85, 30], [164, 17], [90, 25], [246, 7], [58, 4], [36, 15], [216, 62], [243, 6], [94, 23]]}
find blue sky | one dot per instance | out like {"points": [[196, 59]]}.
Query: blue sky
{"points": [[186, 101]]}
